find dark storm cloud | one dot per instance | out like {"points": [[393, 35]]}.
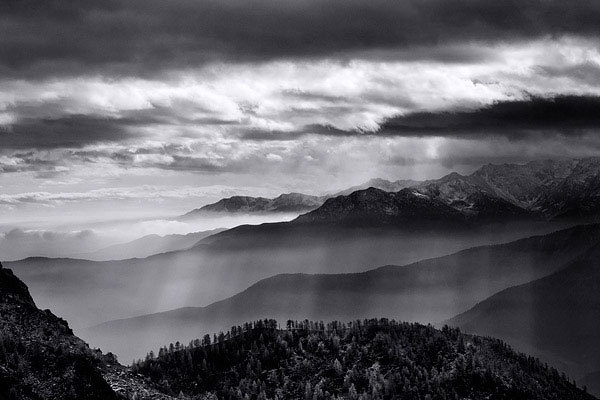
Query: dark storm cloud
{"points": [[564, 115], [135, 36], [35, 129], [561, 115], [67, 131]]}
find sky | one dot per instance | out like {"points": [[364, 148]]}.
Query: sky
{"points": [[145, 108]]}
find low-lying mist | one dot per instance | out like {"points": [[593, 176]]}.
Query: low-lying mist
{"points": [[88, 293], [78, 238], [428, 291], [18, 243]]}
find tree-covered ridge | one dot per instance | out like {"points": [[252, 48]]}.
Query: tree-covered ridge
{"points": [[370, 359]]}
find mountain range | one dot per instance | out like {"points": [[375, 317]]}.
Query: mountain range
{"points": [[547, 189], [557, 190], [285, 203], [288, 202], [90, 292], [544, 189], [376, 208], [426, 291], [147, 246]]}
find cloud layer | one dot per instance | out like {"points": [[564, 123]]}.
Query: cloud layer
{"points": [[520, 119], [133, 37], [99, 98]]}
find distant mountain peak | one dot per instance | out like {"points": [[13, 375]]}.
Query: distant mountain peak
{"points": [[379, 183], [543, 188], [376, 207], [496, 192], [287, 202]]}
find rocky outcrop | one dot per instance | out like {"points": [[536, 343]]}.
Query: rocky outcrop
{"points": [[41, 358]]}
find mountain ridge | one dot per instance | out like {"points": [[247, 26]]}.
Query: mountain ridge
{"points": [[377, 207], [284, 203], [288, 202], [492, 194], [425, 291], [147, 246], [556, 316]]}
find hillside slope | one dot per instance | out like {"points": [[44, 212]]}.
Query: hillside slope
{"points": [[373, 359], [41, 359], [557, 317], [591, 382]]}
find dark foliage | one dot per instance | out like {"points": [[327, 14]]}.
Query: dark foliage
{"points": [[371, 359]]}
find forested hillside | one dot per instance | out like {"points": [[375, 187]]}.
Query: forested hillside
{"points": [[371, 359]]}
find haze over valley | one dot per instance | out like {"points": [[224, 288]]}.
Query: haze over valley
{"points": [[433, 218]]}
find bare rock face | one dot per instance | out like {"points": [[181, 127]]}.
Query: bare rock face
{"points": [[577, 195], [523, 185], [41, 358], [13, 289], [548, 189], [470, 196]]}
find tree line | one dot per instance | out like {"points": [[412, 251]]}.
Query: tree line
{"points": [[363, 359]]}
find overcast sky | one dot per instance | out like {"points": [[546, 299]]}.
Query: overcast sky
{"points": [[144, 105]]}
